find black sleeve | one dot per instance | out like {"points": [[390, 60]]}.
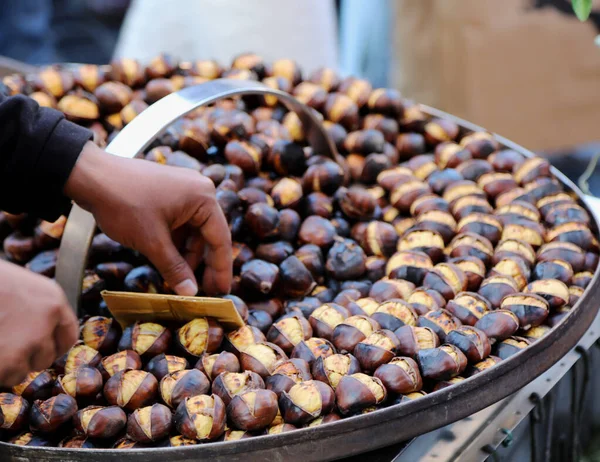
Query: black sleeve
{"points": [[38, 150]]}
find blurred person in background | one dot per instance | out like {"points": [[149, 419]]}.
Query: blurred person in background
{"points": [[51, 31], [221, 29]]}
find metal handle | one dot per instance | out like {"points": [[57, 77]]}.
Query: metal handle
{"points": [[138, 134]]}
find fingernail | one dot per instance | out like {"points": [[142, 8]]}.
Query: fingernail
{"points": [[187, 287]]}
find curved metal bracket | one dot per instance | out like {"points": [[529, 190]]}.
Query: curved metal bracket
{"points": [[146, 127]]}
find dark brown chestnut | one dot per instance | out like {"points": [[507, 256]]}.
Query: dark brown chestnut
{"points": [[440, 321], [387, 289], [514, 248], [229, 384], [555, 292], [200, 417], [49, 415], [325, 318], [532, 310], [423, 300], [79, 355], [471, 341], [400, 375], [149, 424], [498, 324], [553, 269], [412, 339], [332, 368], [296, 279], [345, 260], [312, 349], [318, 231], [261, 357], [351, 331], [511, 346], [306, 401], [377, 349], [481, 366], [514, 268], [82, 384], [422, 240], [394, 313], [199, 336], [14, 410], [253, 410], [286, 374], [101, 334], [447, 279], [131, 389], [441, 363], [238, 340], [30, 439], [162, 365], [357, 392], [213, 365], [471, 245], [468, 307], [100, 422], [495, 288], [147, 339], [175, 387], [289, 331], [409, 265], [473, 268], [566, 251], [126, 359], [37, 385]]}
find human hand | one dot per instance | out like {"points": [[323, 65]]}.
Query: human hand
{"points": [[157, 210], [36, 323]]}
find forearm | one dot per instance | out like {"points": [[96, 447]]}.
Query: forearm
{"points": [[38, 150]]}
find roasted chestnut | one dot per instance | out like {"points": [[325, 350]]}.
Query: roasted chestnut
{"points": [[324, 319], [495, 288], [30, 439], [481, 366], [100, 422], [468, 307], [260, 276], [345, 260], [286, 374], [532, 310], [441, 363], [395, 313], [357, 392], [131, 389], [229, 384], [312, 349], [200, 417], [377, 349], [440, 321], [471, 341], [289, 331], [498, 324], [400, 375], [511, 346], [421, 240], [354, 329], [412, 339], [48, 416], [14, 410], [238, 340], [514, 268], [101, 334], [253, 410], [149, 424], [175, 387], [555, 292], [147, 339], [83, 383], [470, 245], [261, 358], [199, 336], [387, 289], [213, 365], [296, 279], [123, 360], [37, 385], [77, 442], [306, 401], [79, 355], [423, 300]]}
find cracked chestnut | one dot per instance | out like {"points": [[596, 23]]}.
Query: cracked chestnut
{"points": [[123, 360], [199, 336], [261, 358], [50, 415], [474, 344], [377, 349], [441, 363], [400, 375], [498, 324], [149, 424], [253, 410], [440, 321], [131, 389], [357, 392], [82, 384], [14, 410], [201, 417], [100, 422], [351, 331], [468, 307], [175, 387], [162, 365], [306, 401]]}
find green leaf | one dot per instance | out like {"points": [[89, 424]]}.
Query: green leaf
{"points": [[582, 8]]}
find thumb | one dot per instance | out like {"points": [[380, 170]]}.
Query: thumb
{"points": [[172, 266]]}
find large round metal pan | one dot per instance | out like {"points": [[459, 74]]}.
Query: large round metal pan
{"points": [[381, 428]]}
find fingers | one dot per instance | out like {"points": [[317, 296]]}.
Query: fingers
{"points": [[194, 249], [217, 242], [173, 267], [12, 376]]}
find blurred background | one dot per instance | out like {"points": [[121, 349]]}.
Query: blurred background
{"points": [[526, 69]]}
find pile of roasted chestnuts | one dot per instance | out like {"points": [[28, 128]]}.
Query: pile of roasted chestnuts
{"points": [[431, 256]]}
